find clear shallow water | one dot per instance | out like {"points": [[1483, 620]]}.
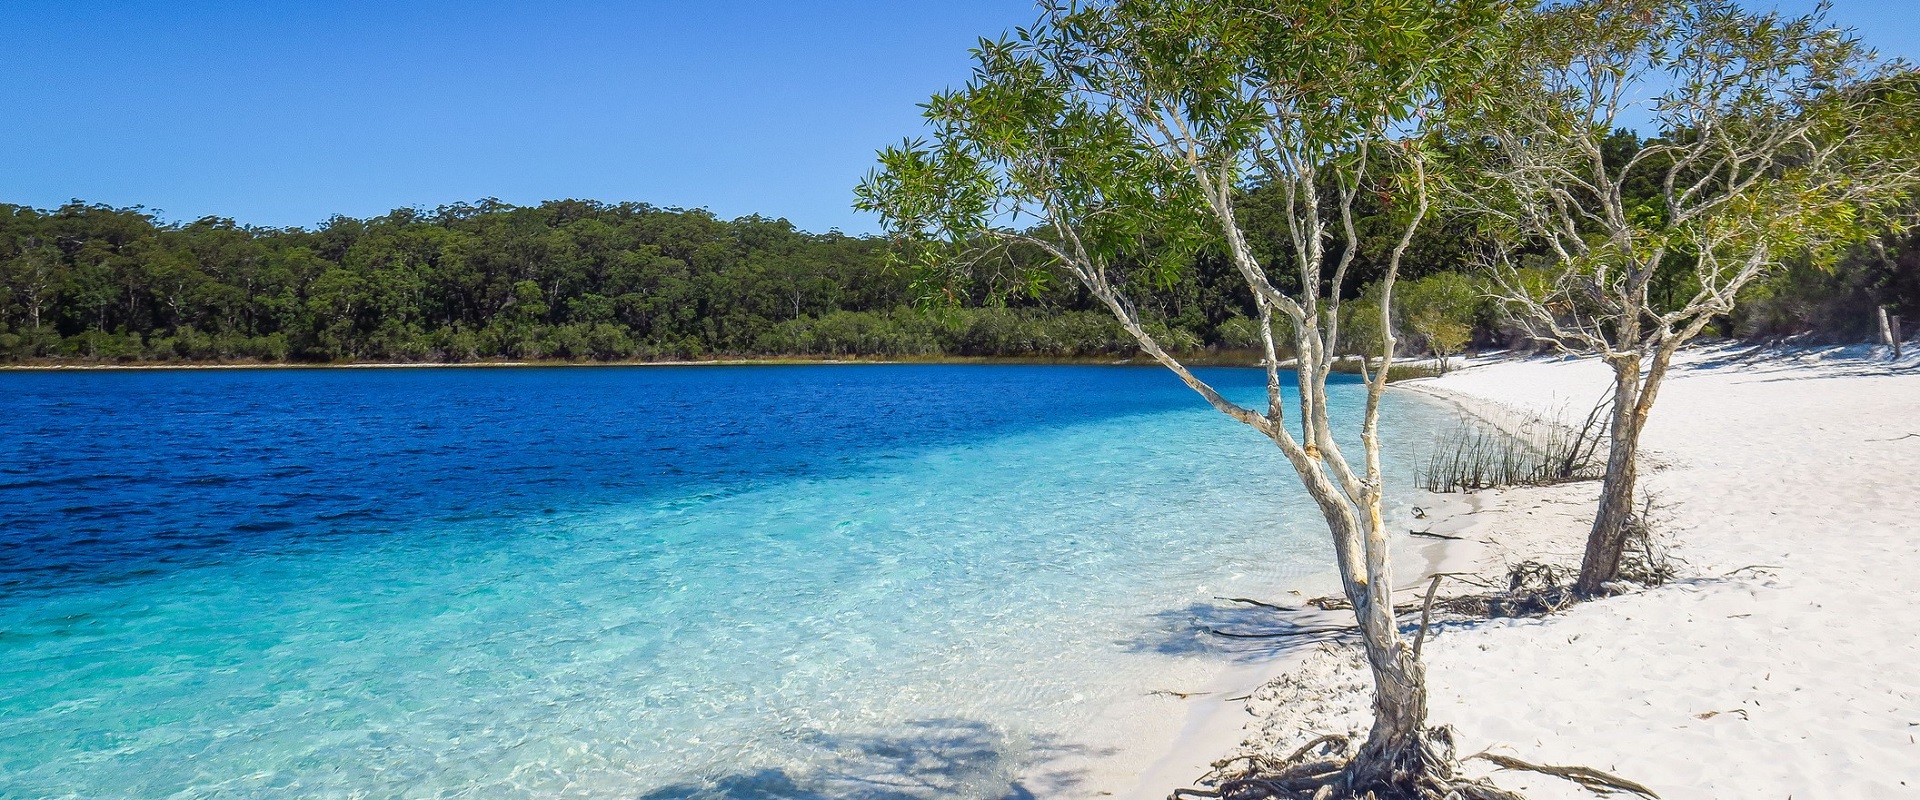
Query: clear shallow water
{"points": [[874, 581]]}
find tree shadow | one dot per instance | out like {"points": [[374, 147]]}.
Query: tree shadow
{"points": [[1239, 631], [943, 758], [1791, 360]]}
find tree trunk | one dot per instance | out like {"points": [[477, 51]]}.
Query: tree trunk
{"points": [[1395, 758], [1615, 518]]}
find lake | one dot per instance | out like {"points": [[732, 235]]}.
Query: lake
{"points": [[662, 582]]}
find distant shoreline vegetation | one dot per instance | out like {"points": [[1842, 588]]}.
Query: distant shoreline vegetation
{"points": [[584, 281], [1224, 358], [1218, 358], [562, 281]]}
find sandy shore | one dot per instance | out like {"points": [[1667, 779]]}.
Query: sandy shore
{"points": [[1782, 663]]}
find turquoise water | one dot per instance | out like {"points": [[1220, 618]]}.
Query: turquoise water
{"points": [[767, 582]]}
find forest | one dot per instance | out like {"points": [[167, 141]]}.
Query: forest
{"points": [[579, 280]]}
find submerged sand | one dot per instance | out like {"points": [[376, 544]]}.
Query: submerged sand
{"points": [[1783, 662]]}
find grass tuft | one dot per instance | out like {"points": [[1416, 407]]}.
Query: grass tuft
{"points": [[1475, 457]]}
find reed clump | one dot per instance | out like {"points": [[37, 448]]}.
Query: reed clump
{"points": [[1476, 457]]}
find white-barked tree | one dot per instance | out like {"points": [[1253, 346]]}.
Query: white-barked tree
{"points": [[1777, 138], [1113, 140]]}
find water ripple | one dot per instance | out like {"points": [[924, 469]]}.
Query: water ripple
{"points": [[671, 583]]}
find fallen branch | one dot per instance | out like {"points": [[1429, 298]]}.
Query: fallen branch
{"points": [[1281, 634], [1711, 714], [1755, 567], [1426, 615], [1432, 535], [1255, 603], [1585, 776], [1470, 578], [1331, 604]]}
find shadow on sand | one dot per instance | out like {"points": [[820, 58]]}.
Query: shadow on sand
{"points": [[1789, 360], [932, 759], [1238, 631]]}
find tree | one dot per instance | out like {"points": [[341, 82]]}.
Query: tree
{"points": [[1113, 140], [34, 279], [1779, 136], [1442, 308]]}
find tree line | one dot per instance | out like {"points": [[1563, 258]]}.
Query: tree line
{"points": [[567, 279], [591, 281]]}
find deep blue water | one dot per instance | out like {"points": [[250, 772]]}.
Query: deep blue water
{"points": [[609, 582], [105, 475]]}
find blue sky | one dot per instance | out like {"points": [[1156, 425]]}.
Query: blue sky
{"points": [[284, 113]]}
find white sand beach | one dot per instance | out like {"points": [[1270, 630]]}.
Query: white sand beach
{"points": [[1782, 663]]}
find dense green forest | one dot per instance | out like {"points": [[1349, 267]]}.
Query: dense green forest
{"points": [[582, 280], [562, 280]]}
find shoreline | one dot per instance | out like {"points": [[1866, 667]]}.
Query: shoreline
{"points": [[1222, 358], [1227, 359], [1216, 720], [1211, 729], [1263, 693], [1781, 485]]}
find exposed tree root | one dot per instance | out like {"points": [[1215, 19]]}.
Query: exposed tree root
{"points": [[1645, 559], [1585, 776], [1323, 770], [1533, 589]]}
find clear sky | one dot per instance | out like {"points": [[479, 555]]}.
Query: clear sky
{"points": [[276, 112]]}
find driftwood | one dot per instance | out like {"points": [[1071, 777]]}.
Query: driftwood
{"points": [[1285, 634], [1432, 535], [1426, 615], [1585, 776], [1314, 772], [1317, 631], [1254, 603], [1533, 589]]}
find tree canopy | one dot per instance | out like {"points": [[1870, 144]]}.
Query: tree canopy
{"points": [[565, 279]]}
